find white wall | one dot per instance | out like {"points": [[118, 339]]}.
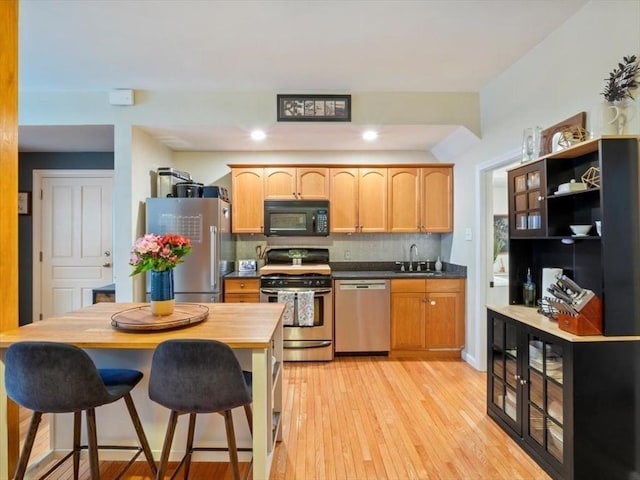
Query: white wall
{"points": [[560, 77]]}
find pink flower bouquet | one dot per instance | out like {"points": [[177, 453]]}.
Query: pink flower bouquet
{"points": [[158, 252]]}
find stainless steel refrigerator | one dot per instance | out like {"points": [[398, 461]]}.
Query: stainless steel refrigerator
{"points": [[207, 223]]}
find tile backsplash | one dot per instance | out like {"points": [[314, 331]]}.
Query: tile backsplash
{"points": [[361, 247]]}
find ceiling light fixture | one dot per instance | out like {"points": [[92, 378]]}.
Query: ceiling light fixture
{"points": [[370, 135], [258, 135]]}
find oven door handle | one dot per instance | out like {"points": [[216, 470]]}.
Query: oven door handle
{"points": [[273, 292]]}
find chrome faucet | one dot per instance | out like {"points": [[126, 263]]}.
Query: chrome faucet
{"points": [[411, 249]]}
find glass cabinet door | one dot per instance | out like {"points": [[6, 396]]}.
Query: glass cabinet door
{"points": [[505, 380], [527, 190], [544, 398]]}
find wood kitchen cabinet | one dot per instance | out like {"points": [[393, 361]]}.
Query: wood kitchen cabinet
{"points": [[427, 315], [247, 198], [296, 183], [420, 199], [242, 290], [365, 199], [358, 201]]}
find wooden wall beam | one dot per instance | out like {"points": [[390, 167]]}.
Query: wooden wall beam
{"points": [[8, 215]]}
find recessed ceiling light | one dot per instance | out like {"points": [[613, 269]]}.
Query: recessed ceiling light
{"points": [[258, 135], [370, 135]]}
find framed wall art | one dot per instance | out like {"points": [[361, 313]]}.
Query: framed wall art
{"points": [[24, 203], [314, 108]]}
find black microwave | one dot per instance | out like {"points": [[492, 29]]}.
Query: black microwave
{"points": [[308, 218]]}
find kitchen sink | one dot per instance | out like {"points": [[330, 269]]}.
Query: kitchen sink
{"points": [[417, 274]]}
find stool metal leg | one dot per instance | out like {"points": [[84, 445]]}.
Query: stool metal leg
{"points": [[189, 450], [77, 429], [92, 437], [231, 441], [135, 419], [28, 446], [166, 447]]}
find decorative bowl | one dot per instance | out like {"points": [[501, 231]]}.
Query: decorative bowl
{"points": [[580, 229]]}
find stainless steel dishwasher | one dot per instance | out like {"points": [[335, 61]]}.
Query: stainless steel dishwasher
{"points": [[362, 316]]}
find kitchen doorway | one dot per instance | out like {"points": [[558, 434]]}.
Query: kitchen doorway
{"points": [[72, 238], [483, 277]]}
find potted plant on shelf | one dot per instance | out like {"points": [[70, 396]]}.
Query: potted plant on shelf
{"points": [[159, 255], [617, 93]]}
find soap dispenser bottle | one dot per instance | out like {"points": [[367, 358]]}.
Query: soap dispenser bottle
{"points": [[529, 291], [438, 265]]}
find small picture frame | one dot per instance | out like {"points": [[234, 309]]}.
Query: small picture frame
{"points": [[246, 265], [314, 108], [24, 203]]}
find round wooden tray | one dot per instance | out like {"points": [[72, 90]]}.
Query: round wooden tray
{"points": [[141, 318]]}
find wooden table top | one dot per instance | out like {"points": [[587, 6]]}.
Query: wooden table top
{"points": [[239, 325]]}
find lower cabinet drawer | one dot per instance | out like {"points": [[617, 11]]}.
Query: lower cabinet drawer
{"points": [[242, 285], [242, 298]]}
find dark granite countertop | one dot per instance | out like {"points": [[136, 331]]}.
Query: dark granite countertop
{"points": [[242, 275], [370, 270]]}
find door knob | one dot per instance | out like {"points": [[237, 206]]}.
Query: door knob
{"points": [[106, 265], [107, 253]]}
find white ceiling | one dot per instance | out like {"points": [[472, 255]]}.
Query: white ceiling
{"points": [[290, 46]]}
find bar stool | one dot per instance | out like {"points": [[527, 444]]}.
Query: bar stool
{"points": [[199, 376], [51, 377]]}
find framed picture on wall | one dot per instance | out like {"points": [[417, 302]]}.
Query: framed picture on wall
{"points": [[500, 242], [24, 203], [314, 108]]}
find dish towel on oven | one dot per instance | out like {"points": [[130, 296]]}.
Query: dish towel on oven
{"points": [[305, 308], [288, 298]]}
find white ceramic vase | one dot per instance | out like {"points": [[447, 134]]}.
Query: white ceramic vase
{"points": [[615, 117]]}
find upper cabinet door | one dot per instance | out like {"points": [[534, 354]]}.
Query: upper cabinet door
{"points": [[437, 199], [247, 192], [280, 183], [312, 183], [344, 200], [527, 203], [372, 200], [404, 199]]}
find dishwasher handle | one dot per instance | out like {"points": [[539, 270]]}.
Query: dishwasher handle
{"points": [[363, 285]]}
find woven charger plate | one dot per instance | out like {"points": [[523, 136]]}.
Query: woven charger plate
{"points": [[141, 318]]}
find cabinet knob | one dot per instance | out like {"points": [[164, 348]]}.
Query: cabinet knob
{"points": [[523, 381], [432, 302], [516, 377], [242, 285], [540, 198]]}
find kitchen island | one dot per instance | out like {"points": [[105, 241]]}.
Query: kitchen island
{"points": [[254, 331]]}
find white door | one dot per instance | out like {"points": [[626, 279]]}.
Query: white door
{"points": [[74, 238]]}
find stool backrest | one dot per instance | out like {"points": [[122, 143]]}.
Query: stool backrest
{"points": [[197, 376], [53, 377]]}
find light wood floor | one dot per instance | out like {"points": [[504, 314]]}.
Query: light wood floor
{"points": [[366, 418]]}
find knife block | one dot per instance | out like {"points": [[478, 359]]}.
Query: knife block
{"points": [[588, 321]]}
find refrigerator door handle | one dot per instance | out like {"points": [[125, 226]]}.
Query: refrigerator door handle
{"points": [[213, 238]]}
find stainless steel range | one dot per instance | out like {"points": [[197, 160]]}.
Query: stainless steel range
{"points": [[301, 278]]}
